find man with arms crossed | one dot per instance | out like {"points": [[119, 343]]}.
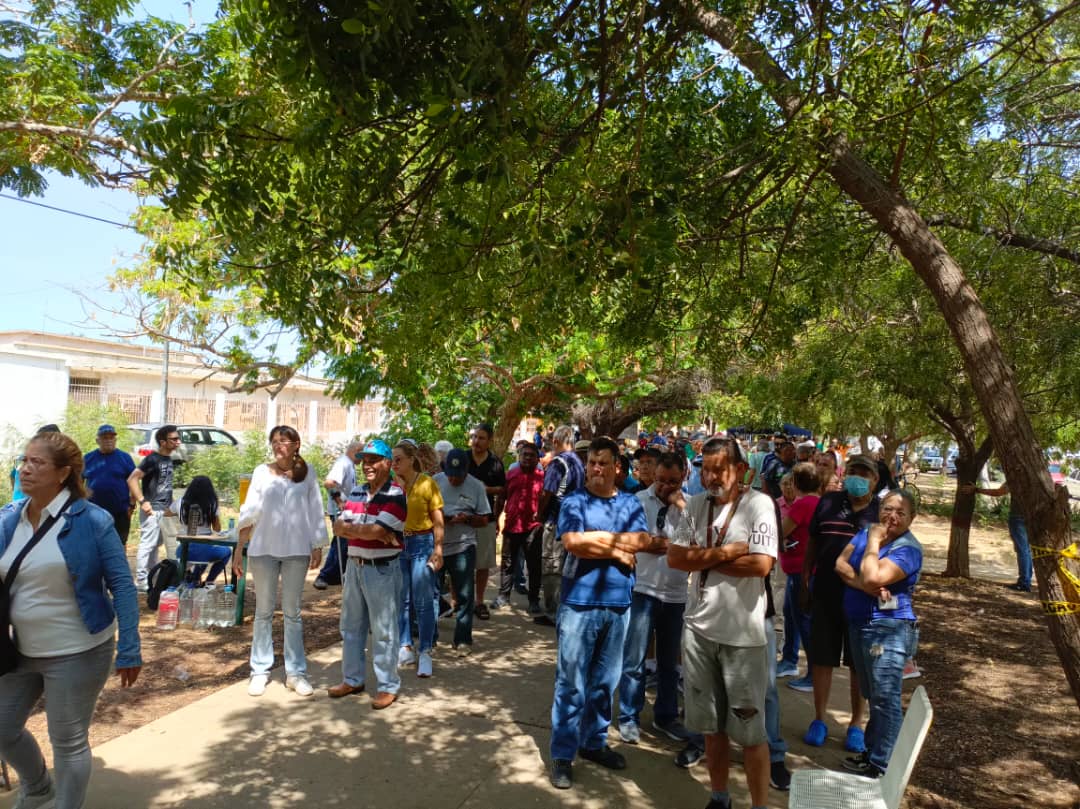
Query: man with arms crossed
{"points": [[601, 529], [373, 522], [728, 535]]}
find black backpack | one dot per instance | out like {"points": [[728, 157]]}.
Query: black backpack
{"points": [[162, 576]]}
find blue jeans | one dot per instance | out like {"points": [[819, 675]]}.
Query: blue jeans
{"points": [[880, 649], [796, 622], [589, 663], [202, 555], [1018, 532], [646, 614], [777, 745], [462, 569], [267, 570], [338, 553], [416, 591], [71, 685], [371, 600]]}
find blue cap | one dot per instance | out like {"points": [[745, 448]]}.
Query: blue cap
{"points": [[376, 447], [456, 464], [105, 429]]}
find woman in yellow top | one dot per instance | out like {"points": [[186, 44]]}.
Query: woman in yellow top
{"points": [[422, 557]]}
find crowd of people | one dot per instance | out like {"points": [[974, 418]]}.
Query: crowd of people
{"points": [[654, 567]]}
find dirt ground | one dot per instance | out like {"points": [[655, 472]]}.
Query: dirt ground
{"points": [[1006, 730]]}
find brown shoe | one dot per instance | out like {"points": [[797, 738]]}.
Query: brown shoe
{"points": [[343, 690], [384, 699]]}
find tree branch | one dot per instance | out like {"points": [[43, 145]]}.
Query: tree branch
{"points": [[1007, 238]]}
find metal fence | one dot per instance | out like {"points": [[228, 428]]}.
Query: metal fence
{"points": [[244, 414]]}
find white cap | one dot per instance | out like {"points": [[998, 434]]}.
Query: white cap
{"points": [[443, 446]]}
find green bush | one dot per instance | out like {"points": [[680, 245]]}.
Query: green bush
{"points": [[224, 465]]}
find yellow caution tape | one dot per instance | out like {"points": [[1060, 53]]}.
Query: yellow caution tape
{"points": [[1060, 607], [1071, 552]]}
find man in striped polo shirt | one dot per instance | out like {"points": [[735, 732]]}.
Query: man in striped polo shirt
{"points": [[373, 521]]}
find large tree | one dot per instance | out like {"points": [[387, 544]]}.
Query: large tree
{"points": [[621, 160]]}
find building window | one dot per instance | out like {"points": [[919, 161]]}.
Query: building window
{"points": [[85, 390]]}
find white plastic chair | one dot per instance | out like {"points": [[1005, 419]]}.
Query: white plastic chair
{"points": [[827, 789]]}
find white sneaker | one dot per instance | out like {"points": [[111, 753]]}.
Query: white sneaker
{"points": [[423, 667], [257, 684], [499, 603], [299, 683], [406, 657]]}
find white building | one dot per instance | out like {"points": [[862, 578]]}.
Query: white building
{"points": [[42, 372]]}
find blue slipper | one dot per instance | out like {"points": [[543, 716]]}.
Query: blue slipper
{"points": [[855, 741], [816, 733]]}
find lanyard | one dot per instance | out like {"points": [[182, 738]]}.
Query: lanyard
{"points": [[721, 534]]}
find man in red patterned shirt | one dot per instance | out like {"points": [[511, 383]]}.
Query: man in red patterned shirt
{"points": [[521, 531]]}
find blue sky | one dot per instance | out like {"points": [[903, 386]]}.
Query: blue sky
{"points": [[52, 262]]}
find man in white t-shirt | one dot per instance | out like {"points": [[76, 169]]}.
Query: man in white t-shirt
{"points": [[339, 483], [659, 601], [728, 538]]}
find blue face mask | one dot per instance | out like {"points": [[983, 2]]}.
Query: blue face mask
{"points": [[856, 487]]}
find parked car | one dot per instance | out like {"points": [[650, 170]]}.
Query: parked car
{"points": [[930, 460], [950, 462], [1072, 483], [193, 438], [1056, 474]]}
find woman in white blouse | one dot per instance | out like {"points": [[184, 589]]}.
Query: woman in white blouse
{"points": [[282, 524]]}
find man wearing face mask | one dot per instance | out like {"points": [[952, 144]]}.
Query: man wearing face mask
{"points": [[728, 537], [838, 517]]}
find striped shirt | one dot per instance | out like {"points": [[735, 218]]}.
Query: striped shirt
{"points": [[832, 527], [386, 507]]}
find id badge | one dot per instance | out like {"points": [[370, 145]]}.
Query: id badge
{"points": [[890, 603]]}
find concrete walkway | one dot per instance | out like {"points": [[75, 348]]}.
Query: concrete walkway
{"points": [[475, 735]]}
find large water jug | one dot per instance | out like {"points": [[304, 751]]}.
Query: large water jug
{"points": [[208, 615], [187, 605], [168, 609], [227, 614]]}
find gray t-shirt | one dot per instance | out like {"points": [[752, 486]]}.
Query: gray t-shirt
{"points": [[729, 609], [468, 498]]}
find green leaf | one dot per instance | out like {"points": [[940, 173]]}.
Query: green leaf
{"points": [[353, 26]]}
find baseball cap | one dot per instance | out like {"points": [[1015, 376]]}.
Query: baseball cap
{"points": [[377, 447], [865, 461], [106, 429], [443, 446], [582, 444], [456, 464]]}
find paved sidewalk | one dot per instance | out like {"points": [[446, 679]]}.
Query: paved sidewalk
{"points": [[475, 735]]}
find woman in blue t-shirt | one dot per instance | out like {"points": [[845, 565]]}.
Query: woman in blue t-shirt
{"points": [[880, 567]]}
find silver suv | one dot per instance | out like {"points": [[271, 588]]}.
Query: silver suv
{"points": [[193, 438]]}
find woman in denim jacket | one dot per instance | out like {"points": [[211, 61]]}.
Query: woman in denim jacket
{"points": [[65, 623]]}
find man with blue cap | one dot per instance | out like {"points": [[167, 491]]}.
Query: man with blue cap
{"points": [[373, 522], [106, 472]]}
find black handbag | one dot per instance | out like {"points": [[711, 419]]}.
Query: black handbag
{"points": [[9, 653]]}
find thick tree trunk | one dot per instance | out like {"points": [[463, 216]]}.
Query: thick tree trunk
{"points": [[986, 365], [992, 379]]}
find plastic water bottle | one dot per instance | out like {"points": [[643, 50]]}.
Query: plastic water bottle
{"points": [[194, 520], [227, 608], [168, 609], [204, 606], [209, 611], [187, 605]]}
